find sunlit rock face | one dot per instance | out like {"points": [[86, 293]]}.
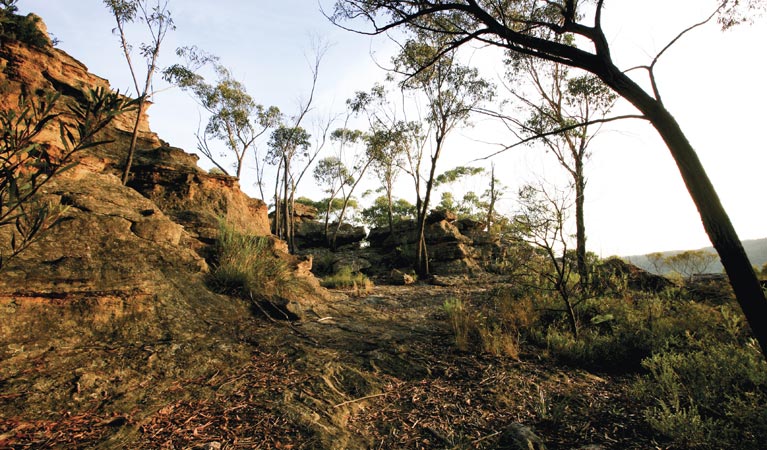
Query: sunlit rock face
{"points": [[124, 262]]}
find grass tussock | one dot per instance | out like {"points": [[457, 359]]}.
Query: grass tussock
{"points": [[345, 278], [245, 265], [495, 330]]}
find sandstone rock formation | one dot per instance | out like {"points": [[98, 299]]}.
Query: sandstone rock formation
{"points": [[125, 261], [456, 247]]}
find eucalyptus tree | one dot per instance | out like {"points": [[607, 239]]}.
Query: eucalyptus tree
{"points": [[535, 28], [293, 152], [390, 139], [543, 218], [235, 117], [332, 175], [157, 18], [563, 115], [287, 145], [452, 91], [360, 164]]}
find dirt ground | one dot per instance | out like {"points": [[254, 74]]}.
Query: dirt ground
{"points": [[378, 372]]}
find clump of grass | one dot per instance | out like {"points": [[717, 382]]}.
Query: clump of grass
{"points": [[345, 278], [494, 331], [245, 266], [460, 321]]}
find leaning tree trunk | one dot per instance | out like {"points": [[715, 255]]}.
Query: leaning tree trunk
{"points": [[715, 220]]}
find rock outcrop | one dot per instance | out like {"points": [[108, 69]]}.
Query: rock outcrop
{"points": [[124, 261], [456, 247]]}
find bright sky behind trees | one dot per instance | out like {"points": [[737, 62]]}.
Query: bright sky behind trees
{"points": [[636, 203]]}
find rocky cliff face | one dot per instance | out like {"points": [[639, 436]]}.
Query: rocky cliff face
{"points": [[126, 264]]}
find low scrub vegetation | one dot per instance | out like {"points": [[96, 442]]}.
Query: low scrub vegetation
{"points": [[699, 379]]}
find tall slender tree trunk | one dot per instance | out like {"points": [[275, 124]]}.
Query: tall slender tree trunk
{"points": [[580, 225], [133, 141], [715, 220], [286, 206], [422, 257], [491, 206], [391, 209]]}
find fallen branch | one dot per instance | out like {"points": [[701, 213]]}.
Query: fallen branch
{"points": [[360, 399]]}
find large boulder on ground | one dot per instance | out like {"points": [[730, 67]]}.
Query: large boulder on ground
{"points": [[400, 278], [636, 278]]}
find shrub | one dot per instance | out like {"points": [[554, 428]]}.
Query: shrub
{"points": [[715, 397], [245, 265], [618, 333], [345, 278]]}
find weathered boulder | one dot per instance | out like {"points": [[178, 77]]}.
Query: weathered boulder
{"points": [[444, 231], [198, 200], [519, 437], [400, 278], [114, 251], [450, 252], [469, 227], [615, 269], [42, 70], [353, 262], [304, 213], [439, 215], [404, 233]]}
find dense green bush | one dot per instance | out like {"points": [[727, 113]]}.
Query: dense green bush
{"points": [[715, 397]]}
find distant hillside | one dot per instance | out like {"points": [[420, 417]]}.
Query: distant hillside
{"points": [[756, 249]]}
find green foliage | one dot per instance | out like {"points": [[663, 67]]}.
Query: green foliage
{"points": [[345, 278], [376, 215], [470, 206], [287, 142], [335, 206], [246, 265], [453, 175], [235, 119], [26, 166], [715, 397], [24, 29], [332, 173]]}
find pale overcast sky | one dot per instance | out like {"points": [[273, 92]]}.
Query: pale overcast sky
{"points": [[636, 203]]}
